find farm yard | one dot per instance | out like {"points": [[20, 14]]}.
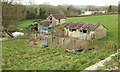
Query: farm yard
{"points": [[18, 55]]}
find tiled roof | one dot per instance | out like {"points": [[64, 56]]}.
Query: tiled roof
{"points": [[80, 25], [59, 16]]}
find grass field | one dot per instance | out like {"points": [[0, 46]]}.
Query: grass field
{"points": [[109, 21], [18, 55], [25, 23], [112, 64]]}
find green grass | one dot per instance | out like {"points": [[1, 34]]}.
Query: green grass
{"points": [[109, 21], [112, 64], [18, 55], [25, 23]]}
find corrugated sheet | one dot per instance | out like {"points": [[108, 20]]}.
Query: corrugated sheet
{"points": [[80, 25]]}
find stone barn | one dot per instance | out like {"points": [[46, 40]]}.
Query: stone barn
{"points": [[85, 30], [56, 19]]}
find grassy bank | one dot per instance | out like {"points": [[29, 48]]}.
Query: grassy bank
{"points": [[18, 55]]}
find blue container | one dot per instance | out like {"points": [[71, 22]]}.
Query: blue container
{"points": [[44, 45]]}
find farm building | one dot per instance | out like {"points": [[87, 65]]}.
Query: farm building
{"points": [[87, 13], [93, 12], [56, 19], [85, 30]]}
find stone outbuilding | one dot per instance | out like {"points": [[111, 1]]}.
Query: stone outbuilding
{"points": [[85, 30], [56, 19]]}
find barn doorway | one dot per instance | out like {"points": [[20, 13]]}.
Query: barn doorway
{"points": [[50, 19], [59, 20], [84, 31]]}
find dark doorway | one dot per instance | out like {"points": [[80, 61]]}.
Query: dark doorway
{"points": [[59, 20], [84, 31], [50, 18]]}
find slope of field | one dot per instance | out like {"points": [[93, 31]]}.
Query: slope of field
{"points": [[109, 21], [25, 23], [18, 55]]}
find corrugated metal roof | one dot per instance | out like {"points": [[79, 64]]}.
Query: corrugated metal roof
{"points": [[80, 25]]}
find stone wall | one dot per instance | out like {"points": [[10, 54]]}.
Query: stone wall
{"points": [[100, 32]]}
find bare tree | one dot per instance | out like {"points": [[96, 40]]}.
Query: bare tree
{"points": [[9, 2], [11, 14]]}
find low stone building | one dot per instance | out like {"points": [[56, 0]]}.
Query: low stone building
{"points": [[85, 30], [56, 19]]}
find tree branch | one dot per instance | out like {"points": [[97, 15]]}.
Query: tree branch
{"points": [[10, 2]]}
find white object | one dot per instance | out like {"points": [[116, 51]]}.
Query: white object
{"points": [[16, 34], [87, 13]]}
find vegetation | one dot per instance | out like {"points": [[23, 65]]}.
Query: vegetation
{"points": [[17, 54], [13, 12], [119, 8], [109, 21], [110, 8], [25, 23], [113, 64]]}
